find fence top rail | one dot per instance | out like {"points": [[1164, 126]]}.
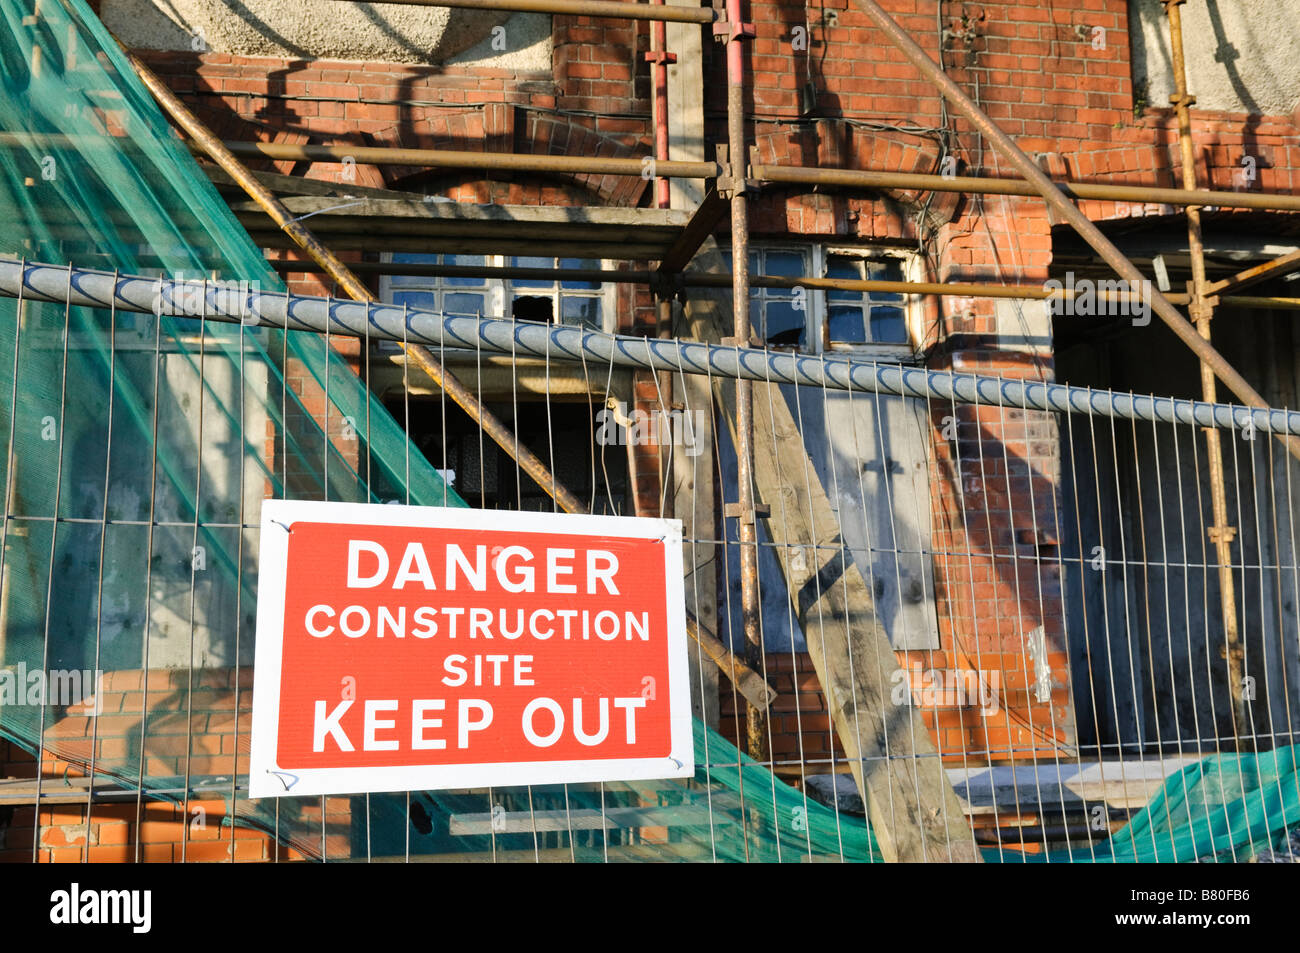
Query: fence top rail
{"points": [[235, 302]]}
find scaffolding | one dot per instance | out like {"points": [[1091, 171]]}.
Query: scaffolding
{"points": [[893, 764]]}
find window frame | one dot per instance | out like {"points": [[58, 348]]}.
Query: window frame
{"points": [[499, 291], [910, 304], [817, 310]]}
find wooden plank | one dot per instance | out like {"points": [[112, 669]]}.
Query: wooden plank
{"points": [[668, 221], [547, 855], [700, 227], [1066, 786], [1277, 268], [370, 241], [686, 141], [1043, 787], [282, 185], [77, 790], [915, 814], [416, 225], [493, 376], [693, 476], [341, 220], [747, 681], [692, 473]]}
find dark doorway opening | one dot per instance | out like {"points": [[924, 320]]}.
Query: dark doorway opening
{"points": [[1145, 621], [561, 434]]}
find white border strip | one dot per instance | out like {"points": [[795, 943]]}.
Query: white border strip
{"points": [[267, 779]]}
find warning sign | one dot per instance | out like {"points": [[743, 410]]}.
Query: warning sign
{"points": [[411, 648]]}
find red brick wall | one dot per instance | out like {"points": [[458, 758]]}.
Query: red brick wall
{"points": [[201, 732], [799, 720], [799, 726], [155, 833], [1030, 67]]}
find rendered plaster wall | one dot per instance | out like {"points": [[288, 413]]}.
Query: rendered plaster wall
{"points": [[328, 29], [1241, 54]]}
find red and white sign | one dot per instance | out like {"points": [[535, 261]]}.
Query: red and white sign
{"points": [[411, 648]]}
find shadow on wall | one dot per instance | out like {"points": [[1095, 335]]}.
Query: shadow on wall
{"points": [[868, 455], [1239, 56], [999, 562], [1222, 66], [379, 32]]}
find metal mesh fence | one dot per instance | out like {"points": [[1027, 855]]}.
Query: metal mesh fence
{"points": [[991, 609], [1044, 586]]}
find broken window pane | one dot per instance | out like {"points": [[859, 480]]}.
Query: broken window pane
{"points": [[532, 308]]}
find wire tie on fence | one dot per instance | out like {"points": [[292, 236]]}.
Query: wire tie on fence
{"points": [[281, 775], [285, 526], [332, 208]]}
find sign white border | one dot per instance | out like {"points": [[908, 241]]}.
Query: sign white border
{"points": [[267, 779]]}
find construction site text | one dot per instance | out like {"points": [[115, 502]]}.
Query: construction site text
{"points": [[516, 570]]}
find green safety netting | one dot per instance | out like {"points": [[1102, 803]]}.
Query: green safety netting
{"points": [[1224, 808], [153, 441], [137, 449], [733, 810]]}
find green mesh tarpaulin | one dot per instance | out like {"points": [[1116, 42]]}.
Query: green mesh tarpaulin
{"points": [[137, 450], [1225, 808], [151, 440]]}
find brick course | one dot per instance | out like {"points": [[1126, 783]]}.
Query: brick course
{"points": [[1034, 69]]}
